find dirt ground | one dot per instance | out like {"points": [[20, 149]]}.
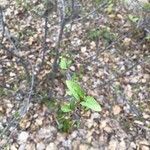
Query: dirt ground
{"points": [[110, 59]]}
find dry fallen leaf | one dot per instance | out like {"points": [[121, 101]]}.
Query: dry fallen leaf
{"points": [[116, 110], [83, 49], [103, 124], [108, 129], [2, 110], [24, 123], [120, 16], [92, 45], [126, 41], [128, 91], [113, 145], [31, 40]]}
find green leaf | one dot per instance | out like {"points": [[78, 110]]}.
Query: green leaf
{"points": [[16, 114], [2, 92], [65, 63], [98, 1], [147, 37], [133, 18], [66, 108], [72, 104], [75, 89], [49, 103], [65, 125], [94, 34], [91, 103], [146, 6], [109, 9]]}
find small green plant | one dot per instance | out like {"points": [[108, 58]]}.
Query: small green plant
{"points": [[147, 37], [132, 18], [66, 108], [64, 121], [80, 96], [76, 77], [75, 90], [104, 33], [18, 2], [79, 99], [90, 103], [107, 35], [94, 34], [50, 103], [16, 114], [65, 63], [23, 3], [98, 1], [110, 8], [2, 92], [146, 7]]}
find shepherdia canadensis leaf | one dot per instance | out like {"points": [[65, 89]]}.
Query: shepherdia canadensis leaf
{"points": [[75, 89], [65, 63], [91, 103], [66, 108], [133, 18]]}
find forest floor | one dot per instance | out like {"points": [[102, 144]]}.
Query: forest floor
{"points": [[110, 60]]}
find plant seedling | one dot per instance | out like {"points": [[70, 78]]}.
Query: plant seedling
{"points": [[79, 98], [65, 63], [132, 18], [78, 93], [90, 103]]}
